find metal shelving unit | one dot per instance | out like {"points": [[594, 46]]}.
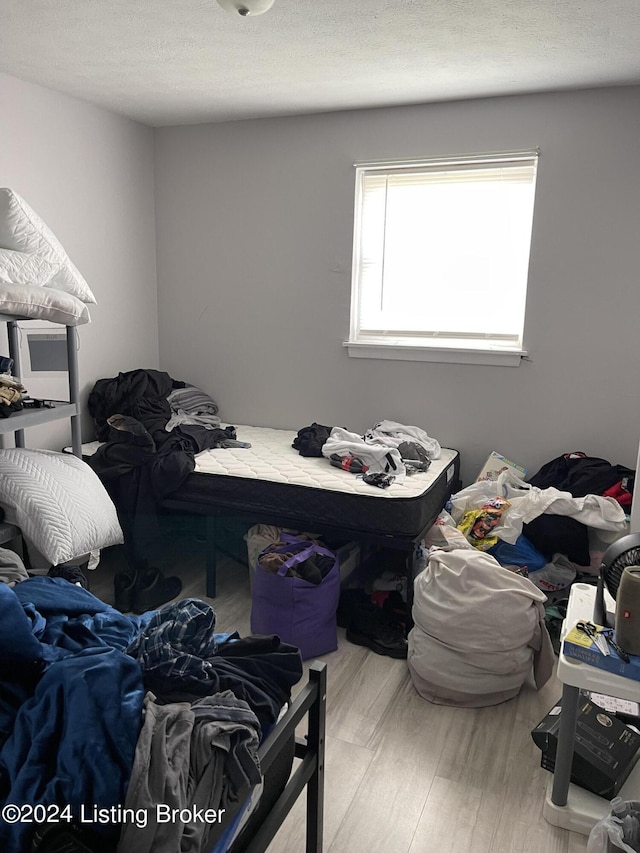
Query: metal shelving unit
{"points": [[19, 421]]}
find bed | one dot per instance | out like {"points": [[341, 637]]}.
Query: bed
{"points": [[271, 482], [201, 469], [80, 685]]}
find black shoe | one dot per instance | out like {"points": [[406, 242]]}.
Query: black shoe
{"points": [[373, 628], [152, 589], [123, 586]]}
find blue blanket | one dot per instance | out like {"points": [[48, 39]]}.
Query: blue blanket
{"points": [[70, 702]]}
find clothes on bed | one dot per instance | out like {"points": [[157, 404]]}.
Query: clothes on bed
{"points": [[71, 699], [191, 405], [180, 639], [220, 437], [381, 450], [73, 619], [309, 440], [202, 755], [259, 670], [141, 463], [135, 393], [21, 655], [379, 457], [398, 434], [141, 397], [74, 740], [130, 414]]}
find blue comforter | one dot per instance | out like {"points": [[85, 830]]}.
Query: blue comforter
{"points": [[70, 701], [73, 675]]}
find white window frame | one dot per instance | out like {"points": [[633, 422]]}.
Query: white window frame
{"points": [[456, 347]]}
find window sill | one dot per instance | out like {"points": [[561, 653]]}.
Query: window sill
{"points": [[447, 355]]}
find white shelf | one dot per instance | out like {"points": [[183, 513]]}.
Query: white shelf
{"points": [[584, 809], [583, 675]]}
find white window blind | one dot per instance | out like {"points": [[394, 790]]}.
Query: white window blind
{"points": [[441, 252]]}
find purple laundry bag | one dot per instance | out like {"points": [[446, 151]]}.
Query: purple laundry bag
{"points": [[301, 613]]}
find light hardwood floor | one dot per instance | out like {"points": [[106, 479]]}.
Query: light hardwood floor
{"points": [[403, 775]]}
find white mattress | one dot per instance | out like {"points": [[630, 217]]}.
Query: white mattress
{"points": [[272, 458], [270, 481]]}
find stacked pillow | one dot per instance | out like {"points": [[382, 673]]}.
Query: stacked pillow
{"points": [[37, 278]]}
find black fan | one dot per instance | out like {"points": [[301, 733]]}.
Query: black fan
{"points": [[625, 552]]}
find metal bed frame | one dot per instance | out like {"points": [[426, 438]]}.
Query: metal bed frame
{"points": [[211, 515], [310, 702]]}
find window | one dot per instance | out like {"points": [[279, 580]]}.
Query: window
{"points": [[441, 256]]}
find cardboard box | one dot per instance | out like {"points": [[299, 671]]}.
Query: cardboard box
{"points": [[605, 749], [496, 463], [580, 646]]}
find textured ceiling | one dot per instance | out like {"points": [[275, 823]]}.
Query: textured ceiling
{"points": [[168, 62]]}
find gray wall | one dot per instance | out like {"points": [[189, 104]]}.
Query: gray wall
{"points": [[254, 232], [254, 226], [89, 175]]}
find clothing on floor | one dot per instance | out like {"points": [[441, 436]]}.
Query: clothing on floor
{"points": [[579, 475]]}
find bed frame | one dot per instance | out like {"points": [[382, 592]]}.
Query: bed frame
{"points": [[215, 509], [269, 482], [310, 702]]}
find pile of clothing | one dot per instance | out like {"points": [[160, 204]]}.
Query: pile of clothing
{"points": [[99, 710], [480, 623], [386, 453], [579, 475], [152, 427], [544, 525]]}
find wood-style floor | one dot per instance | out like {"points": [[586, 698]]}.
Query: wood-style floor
{"points": [[403, 775]]}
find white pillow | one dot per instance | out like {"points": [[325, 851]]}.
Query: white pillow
{"points": [[26, 268], [58, 502], [22, 230], [42, 303]]}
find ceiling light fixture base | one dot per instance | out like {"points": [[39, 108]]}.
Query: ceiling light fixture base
{"points": [[247, 8]]}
